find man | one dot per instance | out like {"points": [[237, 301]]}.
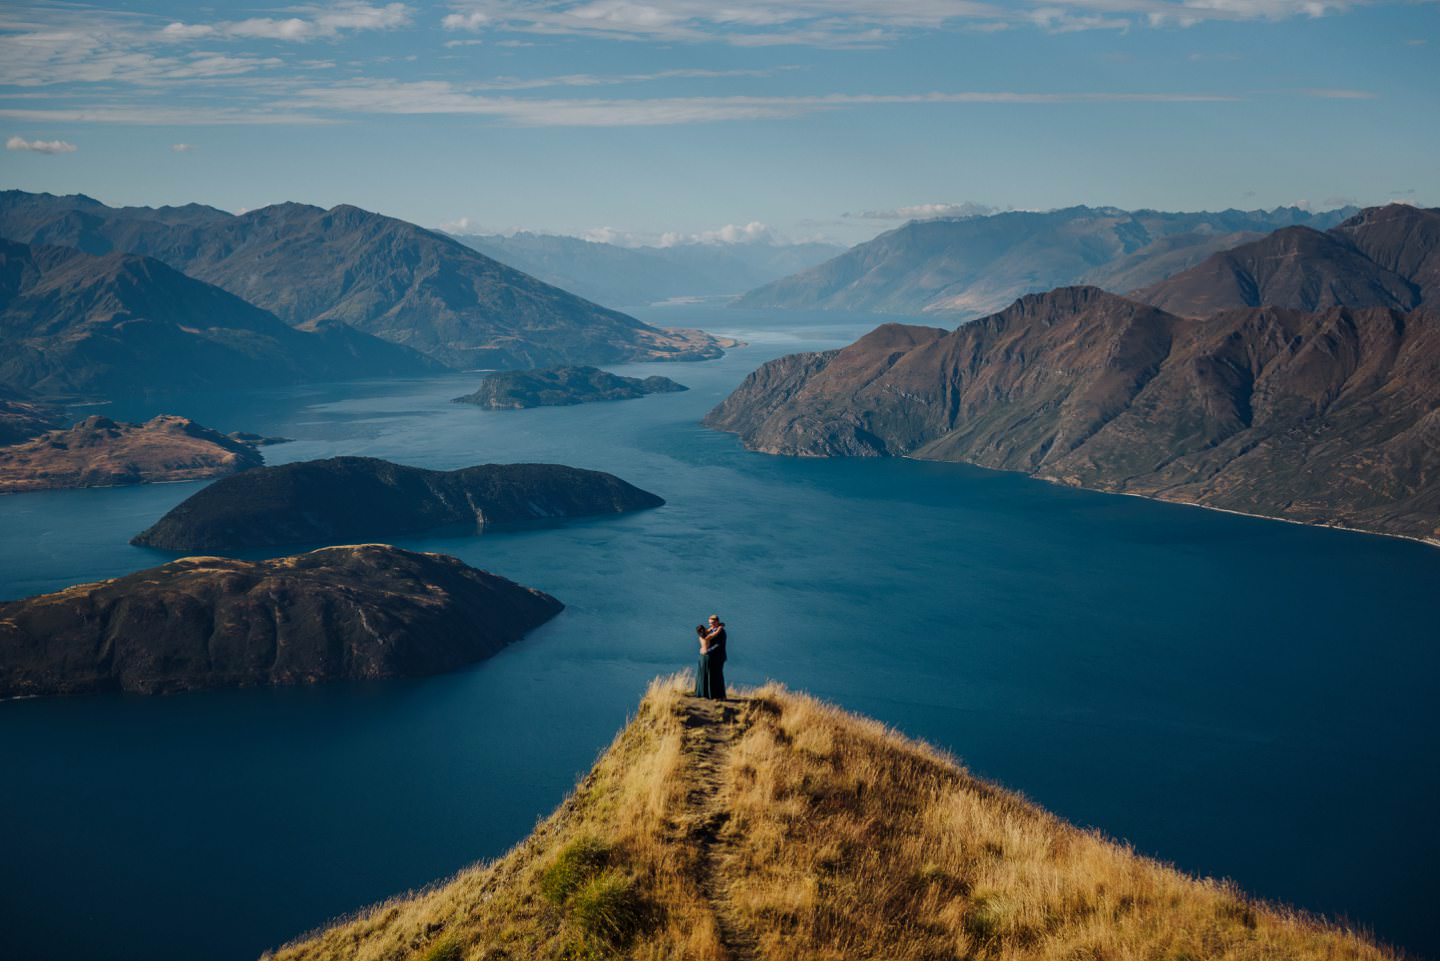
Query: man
{"points": [[715, 658]]}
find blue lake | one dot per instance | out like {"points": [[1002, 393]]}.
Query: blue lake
{"points": [[1246, 698]]}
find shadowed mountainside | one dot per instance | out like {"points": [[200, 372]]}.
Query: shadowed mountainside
{"points": [[102, 452], [1388, 256], [21, 420], [351, 613], [383, 276], [1330, 417], [563, 386], [73, 323], [354, 498], [975, 265], [776, 827]]}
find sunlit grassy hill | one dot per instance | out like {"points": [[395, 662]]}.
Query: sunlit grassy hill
{"points": [[777, 827]]}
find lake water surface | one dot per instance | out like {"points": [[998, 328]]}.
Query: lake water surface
{"points": [[1246, 698]]}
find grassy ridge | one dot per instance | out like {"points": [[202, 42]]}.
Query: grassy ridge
{"points": [[778, 827]]}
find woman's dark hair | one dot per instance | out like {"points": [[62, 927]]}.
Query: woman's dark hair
{"points": [[700, 629]]}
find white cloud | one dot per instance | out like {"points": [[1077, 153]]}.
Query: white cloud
{"points": [[925, 211], [752, 232], [182, 147], [316, 24], [17, 144], [462, 225], [162, 115], [847, 23], [383, 96]]}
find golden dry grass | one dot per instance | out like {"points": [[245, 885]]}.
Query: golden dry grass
{"points": [[779, 827]]}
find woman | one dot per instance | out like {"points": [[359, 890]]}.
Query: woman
{"points": [[702, 674]]}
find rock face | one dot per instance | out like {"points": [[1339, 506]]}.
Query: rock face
{"points": [[563, 386], [349, 613], [383, 276], [352, 498], [102, 452], [1383, 257], [964, 267], [1329, 417], [124, 325]]}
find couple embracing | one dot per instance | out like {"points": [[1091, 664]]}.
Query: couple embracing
{"points": [[710, 677]]}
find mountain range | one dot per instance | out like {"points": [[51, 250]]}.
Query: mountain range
{"points": [[634, 276], [968, 266], [1328, 415], [73, 323], [383, 276], [1383, 257]]}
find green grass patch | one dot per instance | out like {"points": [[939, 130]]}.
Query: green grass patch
{"points": [[608, 908], [580, 861]]}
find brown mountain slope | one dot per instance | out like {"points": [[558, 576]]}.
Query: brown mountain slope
{"points": [[1329, 417], [1383, 257], [1402, 239], [380, 275], [776, 827], [72, 323], [102, 452]]}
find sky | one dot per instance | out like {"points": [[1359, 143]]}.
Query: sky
{"points": [[638, 121]]}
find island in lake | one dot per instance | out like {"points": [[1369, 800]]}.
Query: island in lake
{"points": [[354, 498], [103, 452], [361, 612], [563, 386], [749, 829]]}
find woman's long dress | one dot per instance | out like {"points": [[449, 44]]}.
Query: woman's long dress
{"points": [[702, 678]]}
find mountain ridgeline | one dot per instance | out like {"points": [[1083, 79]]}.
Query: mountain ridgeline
{"points": [[353, 499], [388, 278], [72, 323], [965, 267], [341, 613], [1326, 416], [1383, 257], [629, 276]]}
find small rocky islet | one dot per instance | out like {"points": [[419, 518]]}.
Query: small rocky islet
{"points": [[563, 386]]}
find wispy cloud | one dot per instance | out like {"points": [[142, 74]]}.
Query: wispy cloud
{"points": [[847, 23], [312, 23], [145, 114], [182, 147], [925, 211], [17, 144], [378, 96], [751, 232], [599, 80]]}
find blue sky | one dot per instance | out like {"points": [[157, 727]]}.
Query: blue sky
{"points": [[634, 120]]}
